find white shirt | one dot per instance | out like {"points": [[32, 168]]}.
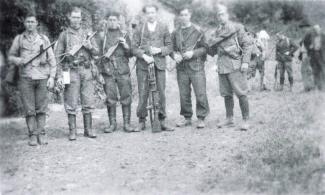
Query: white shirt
{"points": [[152, 26]]}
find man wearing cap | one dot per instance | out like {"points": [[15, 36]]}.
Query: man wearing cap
{"points": [[189, 53], [285, 49], [234, 54], [35, 77], [76, 72]]}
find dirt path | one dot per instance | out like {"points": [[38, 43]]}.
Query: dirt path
{"points": [[187, 161]]}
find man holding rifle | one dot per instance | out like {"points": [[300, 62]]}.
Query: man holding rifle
{"points": [[32, 53], [114, 66], [233, 58], [152, 43], [190, 54], [76, 72]]}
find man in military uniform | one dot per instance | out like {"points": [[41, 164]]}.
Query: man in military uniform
{"points": [[116, 51], [285, 49], [151, 43], [77, 72], [257, 60], [190, 52], [234, 52], [36, 76]]}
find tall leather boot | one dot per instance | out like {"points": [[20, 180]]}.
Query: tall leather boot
{"points": [[41, 121], [126, 119], [31, 125], [229, 104], [244, 107], [111, 110], [72, 127], [88, 129], [291, 83], [281, 83]]}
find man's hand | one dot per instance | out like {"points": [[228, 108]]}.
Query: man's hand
{"points": [[124, 43], [287, 53], [148, 59], [87, 44], [155, 50], [188, 55], [244, 67], [22, 61], [178, 57], [50, 83]]}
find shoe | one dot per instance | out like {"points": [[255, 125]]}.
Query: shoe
{"points": [[42, 139], [200, 124], [184, 123], [165, 127], [32, 140], [244, 126], [227, 124], [141, 126]]}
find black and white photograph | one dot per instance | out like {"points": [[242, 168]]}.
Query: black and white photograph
{"points": [[162, 97]]}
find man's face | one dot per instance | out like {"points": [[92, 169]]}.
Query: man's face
{"points": [[30, 23], [222, 17], [317, 29], [151, 14], [75, 20], [113, 22], [185, 17]]}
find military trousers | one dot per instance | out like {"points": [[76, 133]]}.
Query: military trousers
{"points": [[196, 79], [118, 88], [285, 66], [143, 90], [34, 95], [81, 85]]}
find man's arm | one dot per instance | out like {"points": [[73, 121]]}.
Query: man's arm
{"points": [[168, 46], [51, 58], [245, 43], [135, 50], [59, 50], [201, 47], [14, 52]]}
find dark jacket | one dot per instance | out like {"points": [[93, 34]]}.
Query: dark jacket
{"points": [[119, 60], [184, 40], [285, 49], [143, 39]]}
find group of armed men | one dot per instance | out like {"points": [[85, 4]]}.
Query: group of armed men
{"points": [[70, 67]]}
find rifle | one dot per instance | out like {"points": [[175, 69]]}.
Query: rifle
{"points": [[42, 50], [112, 49], [75, 50], [13, 71], [153, 103]]}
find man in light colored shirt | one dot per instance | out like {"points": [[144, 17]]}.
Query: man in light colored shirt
{"points": [[35, 77], [151, 43]]}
